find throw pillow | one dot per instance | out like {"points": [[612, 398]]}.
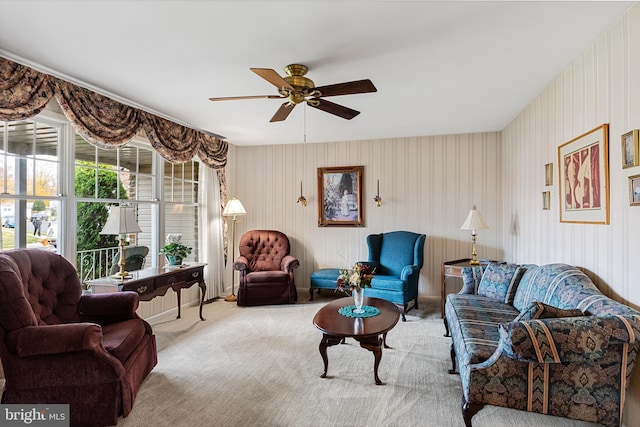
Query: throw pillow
{"points": [[540, 310], [471, 277], [500, 282]]}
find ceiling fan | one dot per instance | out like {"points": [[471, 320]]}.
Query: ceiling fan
{"points": [[297, 88]]}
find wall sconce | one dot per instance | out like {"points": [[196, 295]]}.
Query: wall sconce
{"points": [[377, 198], [301, 199]]}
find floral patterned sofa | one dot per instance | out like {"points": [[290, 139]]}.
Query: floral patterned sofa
{"points": [[541, 339]]}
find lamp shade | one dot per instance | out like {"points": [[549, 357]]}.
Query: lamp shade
{"points": [[474, 221], [234, 207], [121, 221]]}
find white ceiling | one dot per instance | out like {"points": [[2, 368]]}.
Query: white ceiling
{"points": [[439, 67]]}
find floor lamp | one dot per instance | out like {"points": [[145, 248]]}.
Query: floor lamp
{"points": [[121, 221], [233, 209], [474, 222]]}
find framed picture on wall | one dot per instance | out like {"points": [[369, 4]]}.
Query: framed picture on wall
{"points": [[630, 156], [634, 190], [548, 174], [340, 191], [546, 200], [583, 174]]}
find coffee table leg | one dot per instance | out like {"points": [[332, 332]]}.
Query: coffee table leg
{"points": [[384, 340], [373, 344], [327, 341]]}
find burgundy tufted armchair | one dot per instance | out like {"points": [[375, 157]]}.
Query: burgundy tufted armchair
{"points": [[266, 269], [91, 351]]}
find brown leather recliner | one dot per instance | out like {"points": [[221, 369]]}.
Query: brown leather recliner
{"points": [[60, 347], [266, 269]]}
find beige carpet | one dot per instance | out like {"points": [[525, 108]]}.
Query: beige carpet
{"points": [[260, 366]]}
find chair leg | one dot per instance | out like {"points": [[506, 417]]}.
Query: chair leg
{"points": [[446, 327], [311, 293], [405, 308]]}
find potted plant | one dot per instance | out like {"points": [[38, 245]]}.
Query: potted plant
{"points": [[175, 251]]}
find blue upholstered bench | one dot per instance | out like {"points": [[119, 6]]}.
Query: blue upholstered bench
{"points": [[324, 278]]}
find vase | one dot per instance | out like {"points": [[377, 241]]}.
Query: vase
{"points": [[173, 260], [358, 298]]}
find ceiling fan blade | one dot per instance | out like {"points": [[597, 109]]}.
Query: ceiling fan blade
{"points": [[348, 88], [331, 108], [232, 98], [272, 77], [283, 112]]}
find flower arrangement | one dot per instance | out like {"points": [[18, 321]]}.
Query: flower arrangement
{"points": [[357, 277], [174, 248]]}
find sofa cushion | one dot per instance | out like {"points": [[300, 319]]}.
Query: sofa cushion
{"points": [[540, 310], [474, 325], [471, 277], [560, 285], [500, 281]]}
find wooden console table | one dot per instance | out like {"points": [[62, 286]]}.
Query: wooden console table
{"points": [[156, 281]]}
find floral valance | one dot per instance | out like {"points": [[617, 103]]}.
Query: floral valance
{"points": [[102, 121]]}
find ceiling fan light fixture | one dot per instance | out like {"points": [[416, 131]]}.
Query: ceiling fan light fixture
{"points": [[296, 89]]}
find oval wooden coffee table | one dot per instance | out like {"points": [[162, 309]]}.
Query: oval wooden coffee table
{"points": [[370, 332]]}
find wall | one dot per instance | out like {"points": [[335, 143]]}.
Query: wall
{"points": [[427, 184], [601, 86]]}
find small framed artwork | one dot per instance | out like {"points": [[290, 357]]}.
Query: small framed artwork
{"points": [[548, 174], [630, 156], [583, 177], [340, 190], [546, 200], [634, 190]]}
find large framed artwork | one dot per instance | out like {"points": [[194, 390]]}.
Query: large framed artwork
{"points": [[583, 172], [340, 190]]}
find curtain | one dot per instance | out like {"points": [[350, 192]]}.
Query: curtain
{"points": [[24, 92], [212, 232], [102, 121]]}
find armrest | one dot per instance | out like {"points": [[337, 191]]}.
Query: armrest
{"points": [[241, 264], [108, 308], [471, 277], [409, 270], [569, 339], [289, 263], [54, 339]]}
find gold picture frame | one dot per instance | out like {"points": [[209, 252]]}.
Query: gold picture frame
{"points": [[548, 174], [340, 193], [583, 176], [634, 190], [630, 157], [546, 200]]}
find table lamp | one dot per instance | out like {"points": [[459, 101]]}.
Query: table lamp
{"points": [[121, 221], [474, 222], [234, 208]]}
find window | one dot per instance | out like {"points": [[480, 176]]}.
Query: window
{"points": [[34, 179], [181, 202], [29, 183]]}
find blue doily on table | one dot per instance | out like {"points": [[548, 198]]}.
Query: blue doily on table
{"points": [[369, 311]]}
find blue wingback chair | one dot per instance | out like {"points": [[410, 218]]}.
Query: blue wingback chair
{"points": [[397, 257]]}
